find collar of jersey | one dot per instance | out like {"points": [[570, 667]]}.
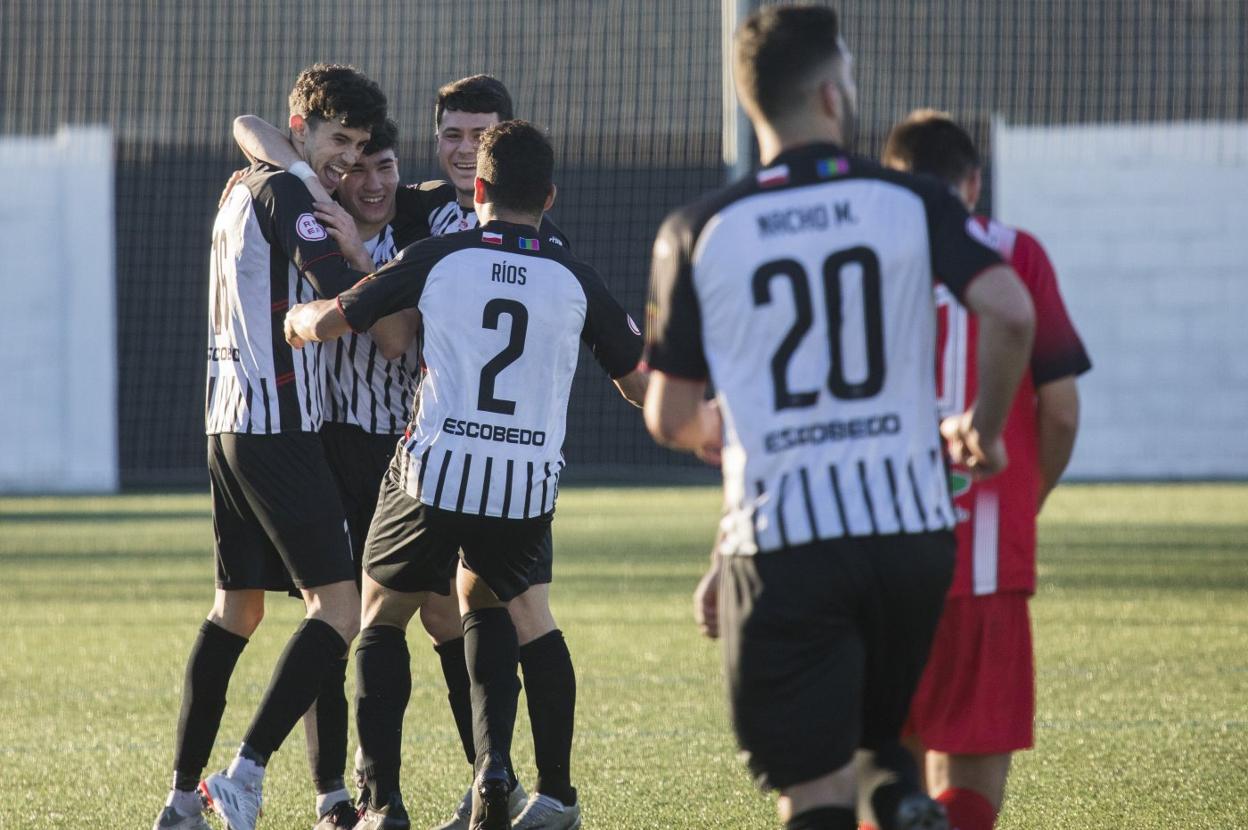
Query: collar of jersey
{"points": [[499, 226], [819, 149]]}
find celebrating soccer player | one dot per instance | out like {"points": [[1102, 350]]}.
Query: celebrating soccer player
{"points": [[804, 294], [276, 513], [463, 110], [976, 702], [503, 317]]}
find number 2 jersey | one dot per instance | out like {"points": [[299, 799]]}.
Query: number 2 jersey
{"points": [[268, 253], [804, 293], [997, 517], [503, 316]]}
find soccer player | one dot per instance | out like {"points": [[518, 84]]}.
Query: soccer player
{"points": [[503, 316], [976, 702], [804, 294], [277, 517], [464, 109]]}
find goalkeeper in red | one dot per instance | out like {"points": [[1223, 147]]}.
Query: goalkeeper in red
{"points": [[975, 704]]}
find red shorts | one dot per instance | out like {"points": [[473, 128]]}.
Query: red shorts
{"points": [[978, 693]]}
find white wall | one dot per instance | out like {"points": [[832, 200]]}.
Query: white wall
{"points": [[1147, 226], [58, 350]]}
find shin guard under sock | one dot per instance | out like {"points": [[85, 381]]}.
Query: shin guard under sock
{"points": [[383, 685], [311, 653], [208, 670], [458, 691], [491, 652], [550, 690], [327, 749]]}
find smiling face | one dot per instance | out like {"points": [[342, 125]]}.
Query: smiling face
{"points": [[458, 137], [367, 191], [329, 148]]}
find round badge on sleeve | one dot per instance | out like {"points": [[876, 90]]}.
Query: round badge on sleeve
{"points": [[633, 325], [308, 228]]}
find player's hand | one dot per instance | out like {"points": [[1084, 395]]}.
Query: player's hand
{"points": [[706, 602], [982, 456], [289, 329], [341, 227], [229, 185], [712, 426]]}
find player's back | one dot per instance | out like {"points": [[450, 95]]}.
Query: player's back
{"points": [[503, 318], [813, 282]]}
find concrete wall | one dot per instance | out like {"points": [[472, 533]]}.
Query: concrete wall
{"points": [[1147, 226], [58, 350]]}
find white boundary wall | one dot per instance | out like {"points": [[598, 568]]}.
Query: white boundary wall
{"points": [[58, 349], [1147, 226]]}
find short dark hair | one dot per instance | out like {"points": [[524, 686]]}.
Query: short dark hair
{"points": [[384, 137], [334, 92], [777, 50], [517, 165], [476, 93], [931, 142]]}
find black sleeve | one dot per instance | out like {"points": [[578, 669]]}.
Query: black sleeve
{"points": [[411, 222], [610, 333], [673, 318], [553, 233], [398, 285], [304, 241], [959, 254]]}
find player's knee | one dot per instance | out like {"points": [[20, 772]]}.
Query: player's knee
{"points": [[531, 614], [337, 605], [238, 612], [441, 619]]}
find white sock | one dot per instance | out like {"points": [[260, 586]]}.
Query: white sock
{"points": [[186, 803], [245, 770], [326, 800]]}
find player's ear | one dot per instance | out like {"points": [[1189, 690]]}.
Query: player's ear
{"points": [[550, 198], [831, 104], [478, 191], [298, 126], [972, 187]]}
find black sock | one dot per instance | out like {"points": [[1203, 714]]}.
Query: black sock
{"points": [[311, 653], [208, 670], [383, 684], [491, 652], [327, 749], [824, 818], [888, 774], [550, 688], [458, 691]]}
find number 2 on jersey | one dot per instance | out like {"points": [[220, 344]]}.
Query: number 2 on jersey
{"points": [[490, 319], [873, 325]]}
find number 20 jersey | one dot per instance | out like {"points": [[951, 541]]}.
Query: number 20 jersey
{"points": [[804, 293], [503, 317]]}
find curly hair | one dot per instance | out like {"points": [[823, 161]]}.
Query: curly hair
{"points": [[384, 137], [931, 142], [334, 92]]}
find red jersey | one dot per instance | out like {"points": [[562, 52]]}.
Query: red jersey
{"points": [[996, 527]]}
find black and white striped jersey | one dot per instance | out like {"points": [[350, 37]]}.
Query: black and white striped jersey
{"points": [[504, 314], [361, 386], [804, 293], [268, 253], [432, 209]]}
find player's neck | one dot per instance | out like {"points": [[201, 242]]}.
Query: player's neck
{"points": [[464, 197], [487, 213], [368, 231], [772, 141]]}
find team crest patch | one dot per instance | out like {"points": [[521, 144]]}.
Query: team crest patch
{"points": [[529, 244], [308, 228], [632, 325]]}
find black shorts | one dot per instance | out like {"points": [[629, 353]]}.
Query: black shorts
{"points": [[359, 461], [413, 547], [824, 645], [276, 514]]}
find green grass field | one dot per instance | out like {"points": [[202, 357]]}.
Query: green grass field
{"points": [[1141, 631]]}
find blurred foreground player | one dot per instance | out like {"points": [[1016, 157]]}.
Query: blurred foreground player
{"points": [[976, 702], [503, 317], [804, 294]]}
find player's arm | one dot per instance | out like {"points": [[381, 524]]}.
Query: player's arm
{"points": [[973, 270], [395, 333], [318, 321], [1057, 423], [633, 385], [1057, 359], [677, 413], [305, 242], [261, 141]]}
